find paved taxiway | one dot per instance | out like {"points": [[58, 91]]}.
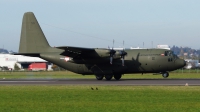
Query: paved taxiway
{"points": [[136, 82]]}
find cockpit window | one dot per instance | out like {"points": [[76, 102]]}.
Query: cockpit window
{"points": [[169, 53]]}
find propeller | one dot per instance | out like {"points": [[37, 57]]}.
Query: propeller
{"points": [[123, 54], [112, 53]]}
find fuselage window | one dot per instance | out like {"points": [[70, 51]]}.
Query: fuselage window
{"points": [[170, 59]]}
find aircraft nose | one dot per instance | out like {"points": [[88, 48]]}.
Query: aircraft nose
{"points": [[184, 62], [181, 63]]}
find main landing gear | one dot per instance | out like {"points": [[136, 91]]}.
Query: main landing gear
{"points": [[99, 77], [165, 74], [117, 76], [109, 76]]}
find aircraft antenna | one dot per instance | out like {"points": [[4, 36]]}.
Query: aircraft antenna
{"points": [[143, 44], [113, 43], [123, 44]]}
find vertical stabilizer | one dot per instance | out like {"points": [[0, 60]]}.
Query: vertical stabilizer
{"points": [[32, 38]]}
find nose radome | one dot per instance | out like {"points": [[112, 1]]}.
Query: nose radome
{"points": [[184, 62], [181, 63]]}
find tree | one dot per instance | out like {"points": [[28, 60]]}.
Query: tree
{"points": [[57, 68], [16, 67]]}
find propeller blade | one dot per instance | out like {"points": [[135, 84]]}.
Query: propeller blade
{"points": [[123, 53], [123, 61], [112, 52], [111, 58]]}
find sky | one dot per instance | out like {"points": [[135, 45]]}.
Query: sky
{"points": [[96, 23]]}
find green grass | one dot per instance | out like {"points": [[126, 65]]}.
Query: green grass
{"points": [[40, 75], [105, 99], [68, 75]]}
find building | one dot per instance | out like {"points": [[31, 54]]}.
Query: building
{"points": [[163, 47], [9, 61]]}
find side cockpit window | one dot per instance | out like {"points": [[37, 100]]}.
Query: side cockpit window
{"points": [[165, 53], [169, 53]]}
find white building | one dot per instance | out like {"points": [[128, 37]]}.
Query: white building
{"points": [[163, 47], [9, 60]]}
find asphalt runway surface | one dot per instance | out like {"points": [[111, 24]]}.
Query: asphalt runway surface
{"points": [[134, 82]]}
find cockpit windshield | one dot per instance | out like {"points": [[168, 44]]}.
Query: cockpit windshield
{"points": [[170, 53]]}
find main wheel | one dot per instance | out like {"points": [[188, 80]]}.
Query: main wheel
{"points": [[165, 74], [108, 77], [99, 77], [117, 76]]}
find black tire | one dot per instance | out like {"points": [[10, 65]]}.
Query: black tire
{"points": [[165, 74], [99, 77], [117, 76], [108, 77]]}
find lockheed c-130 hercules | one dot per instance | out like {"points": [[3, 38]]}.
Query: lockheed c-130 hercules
{"points": [[102, 62]]}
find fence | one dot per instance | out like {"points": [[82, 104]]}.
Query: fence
{"points": [[197, 70]]}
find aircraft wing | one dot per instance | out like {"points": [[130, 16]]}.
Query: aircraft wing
{"points": [[78, 52]]}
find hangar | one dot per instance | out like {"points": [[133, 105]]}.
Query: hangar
{"points": [[10, 61]]}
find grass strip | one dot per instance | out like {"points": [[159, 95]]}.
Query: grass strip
{"points": [[70, 75], [106, 98]]}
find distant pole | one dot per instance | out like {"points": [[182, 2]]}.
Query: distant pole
{"points": [[143, 44], [152, 44]]}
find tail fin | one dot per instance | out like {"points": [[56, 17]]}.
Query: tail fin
{"points": [[32, 38]]}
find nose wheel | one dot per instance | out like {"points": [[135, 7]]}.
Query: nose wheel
{"points": [[165, 74]]}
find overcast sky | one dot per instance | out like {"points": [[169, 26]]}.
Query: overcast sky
{"points": [[95, 23]]}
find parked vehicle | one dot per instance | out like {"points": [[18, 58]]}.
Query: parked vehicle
{"points": [[37, 67]]}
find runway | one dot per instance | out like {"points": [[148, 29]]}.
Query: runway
{"points": [[133, 82]]}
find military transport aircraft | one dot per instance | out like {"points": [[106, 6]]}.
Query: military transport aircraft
{"points": [[102, 62]]}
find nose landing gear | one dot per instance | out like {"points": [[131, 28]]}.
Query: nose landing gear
{"points": [[165, 74]]}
